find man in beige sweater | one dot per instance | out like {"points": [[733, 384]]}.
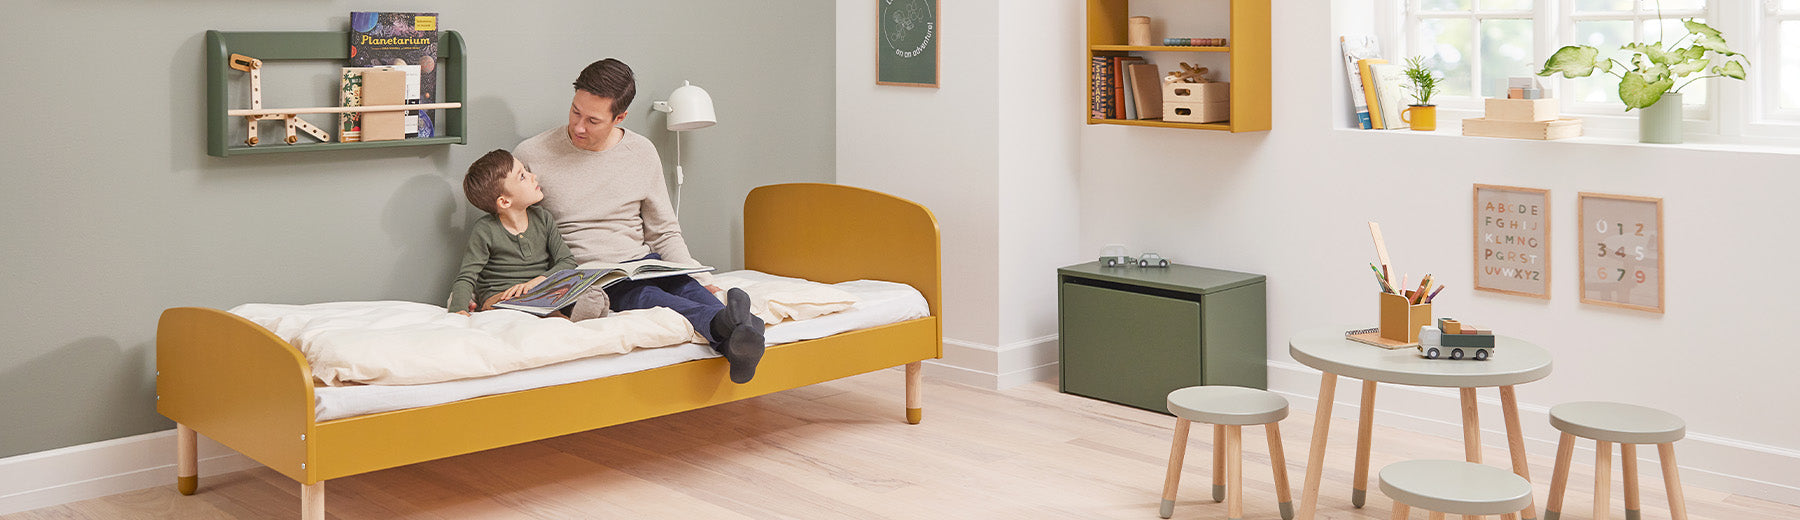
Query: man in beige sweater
{"points": [[605, 186]]}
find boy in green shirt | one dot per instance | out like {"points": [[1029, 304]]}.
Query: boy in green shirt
{"points": [[514, 247]]}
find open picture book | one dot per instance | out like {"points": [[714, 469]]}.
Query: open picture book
{"points": [[561, 288]]}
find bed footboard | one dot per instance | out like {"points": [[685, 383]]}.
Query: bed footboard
{"points": [[237, 383]]}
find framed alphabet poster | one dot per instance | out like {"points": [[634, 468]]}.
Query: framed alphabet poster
{"points": [[1512, 240], [1622, 251], [907, 43]]}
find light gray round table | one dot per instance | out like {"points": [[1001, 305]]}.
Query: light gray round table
{"points": [[1515, 361]]}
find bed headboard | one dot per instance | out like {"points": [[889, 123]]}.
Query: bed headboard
{"points": [[831, 233]]}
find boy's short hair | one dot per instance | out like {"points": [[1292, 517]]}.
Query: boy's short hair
{"points": [[486, 179], [609, 78]]}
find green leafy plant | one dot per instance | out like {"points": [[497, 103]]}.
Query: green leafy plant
{"points": [[1654, 68], [1425, 81]]}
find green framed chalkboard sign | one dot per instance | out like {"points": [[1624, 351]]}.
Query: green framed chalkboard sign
{"points": [[907, 43]]}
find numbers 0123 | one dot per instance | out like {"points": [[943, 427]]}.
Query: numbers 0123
{"points": [[1636, 253]]}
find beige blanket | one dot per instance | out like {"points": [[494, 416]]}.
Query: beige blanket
{"points": [[405, 343]]}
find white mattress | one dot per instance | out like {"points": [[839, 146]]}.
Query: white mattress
{"points": [[881, 303]]}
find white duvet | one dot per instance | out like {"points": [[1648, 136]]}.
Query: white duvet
{"points": [[406, 343]]}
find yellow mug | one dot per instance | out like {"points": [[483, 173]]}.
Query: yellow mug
{"points": [[1425, 120]]}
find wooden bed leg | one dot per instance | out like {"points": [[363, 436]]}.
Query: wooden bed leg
{"points": [[915, 375], [312, 501], [187, 460]]}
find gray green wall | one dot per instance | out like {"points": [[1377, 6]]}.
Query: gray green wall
{"points": [[111, 211]]}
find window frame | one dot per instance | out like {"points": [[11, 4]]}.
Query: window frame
{"points": [[1748, 112]]}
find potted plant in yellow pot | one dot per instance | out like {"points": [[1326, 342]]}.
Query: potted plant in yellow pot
{"points": [[1422, 82], [1648, 83]]}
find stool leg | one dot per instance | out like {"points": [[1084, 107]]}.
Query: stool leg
{"points": [[1515, 443], [1218, 463], [1278, 462], [1315, 457], [1234, 472], [1602, 480], [1436, 516], [1177, 451], [1401, 510], [1672, 481], [1364, 427], [1559, 477], [1471, 432], [1628, 464]]}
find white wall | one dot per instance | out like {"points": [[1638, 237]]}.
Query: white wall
{"points": [[1293, 203]]}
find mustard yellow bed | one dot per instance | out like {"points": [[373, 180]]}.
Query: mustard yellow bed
{"points": [[239, 384]]}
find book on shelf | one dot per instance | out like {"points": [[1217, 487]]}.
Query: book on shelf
{"points": [[350, 95], [1100, 87], [560, 289], [1146, 90], [1358, 48], [1390, 91], [1368, 89], [405, 41], [1118, 84], [382, 86]]}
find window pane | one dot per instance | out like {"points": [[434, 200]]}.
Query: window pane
{"points": [[1505, 52], [1790, 4], [1444, 5], [1607, 36], [1509, 5], [1447, 46], [1790, 64], [1588, 6], [1671, 5]]}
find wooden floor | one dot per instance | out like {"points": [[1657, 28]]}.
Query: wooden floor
{"points": [[842, 450]]}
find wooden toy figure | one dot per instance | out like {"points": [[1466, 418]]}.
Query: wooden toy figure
{"points": [[1187, 74]]}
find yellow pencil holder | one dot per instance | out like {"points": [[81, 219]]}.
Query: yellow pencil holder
{"points": [[1401, 321]]}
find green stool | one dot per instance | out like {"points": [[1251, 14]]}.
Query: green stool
{"points": [[1625, 424], [1453, 486], [1228, 409]]}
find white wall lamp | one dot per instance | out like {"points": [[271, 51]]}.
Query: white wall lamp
{"points": [[689, 108]]}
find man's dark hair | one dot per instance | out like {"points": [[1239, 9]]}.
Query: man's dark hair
{"points": [[609, 78], [486, 179]]}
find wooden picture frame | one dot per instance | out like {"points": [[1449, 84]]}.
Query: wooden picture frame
{"points": [[1622, 251], [906, 43], [1512, 240]]}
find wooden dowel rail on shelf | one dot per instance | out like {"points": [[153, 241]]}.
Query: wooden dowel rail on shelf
{"points": [[223, 121]]}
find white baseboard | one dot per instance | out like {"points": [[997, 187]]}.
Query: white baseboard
{"points": [[987, 366], [60, 476], [1706, 461]]}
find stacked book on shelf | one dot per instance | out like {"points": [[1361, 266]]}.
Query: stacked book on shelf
{"points": [[1123, 87]]}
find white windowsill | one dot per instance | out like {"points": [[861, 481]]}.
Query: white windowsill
{"points": [[1452, 128]]}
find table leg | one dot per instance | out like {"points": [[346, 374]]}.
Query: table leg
{"points": [[1364, 427], [1602, 480], [1471, 432], [1172, 481], [1628, 464], [1515, 442], [1315, 457], [1234, 472], [1218, 463]]}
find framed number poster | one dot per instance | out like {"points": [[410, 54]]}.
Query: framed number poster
{"points": [[907, 43], [1622, 251], [1512, 240]]}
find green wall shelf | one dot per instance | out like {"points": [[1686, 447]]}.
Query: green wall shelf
{"points": [[315, 45]]}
